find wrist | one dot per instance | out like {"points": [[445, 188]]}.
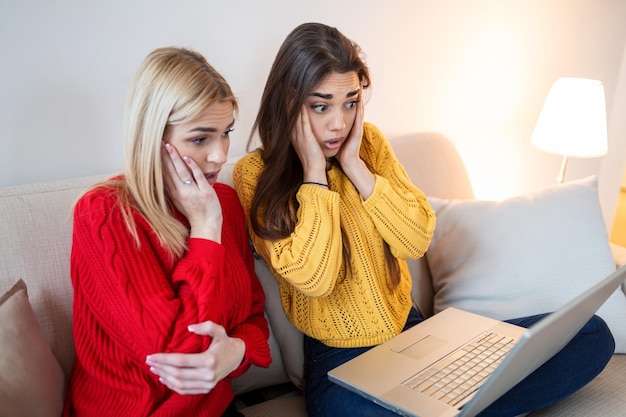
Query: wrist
{"points": [[240, 348], [354, 167], [210, 231], [318, 184], [363, 179]]}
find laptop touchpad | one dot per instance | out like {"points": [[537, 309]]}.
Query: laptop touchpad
{"points": [[423, 347]]}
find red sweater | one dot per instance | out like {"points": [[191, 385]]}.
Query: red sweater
{"points": [[130, 302]]}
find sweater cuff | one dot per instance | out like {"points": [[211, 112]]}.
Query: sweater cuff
{"points": [[257, 349], [201, 254], [195, 243], [380, 186], [204, 250], [316, 189]]}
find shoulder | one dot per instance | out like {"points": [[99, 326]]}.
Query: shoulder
{"points": [[104, 193], [374, 141], [99, 203], [250, 162], [370, 130], [248, 167]]}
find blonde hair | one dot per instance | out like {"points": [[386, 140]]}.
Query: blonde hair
{"points": [[172, 86]]}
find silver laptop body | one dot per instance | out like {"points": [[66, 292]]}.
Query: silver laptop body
{"points": [[383, 373]]}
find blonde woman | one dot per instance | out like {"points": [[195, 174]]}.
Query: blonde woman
{"points": [[160, 259]]}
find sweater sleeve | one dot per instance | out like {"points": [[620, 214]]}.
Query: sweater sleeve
{"points": [[400, 211], [310, 258], [137, 294]]}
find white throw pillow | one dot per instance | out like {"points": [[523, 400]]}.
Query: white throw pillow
{"points": [[525, 255]]}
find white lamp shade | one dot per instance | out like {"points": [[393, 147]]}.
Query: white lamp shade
{"points": [[573, 119]]}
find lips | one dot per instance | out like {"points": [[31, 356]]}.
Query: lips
{"points": [[333, 144], [211, 177]]}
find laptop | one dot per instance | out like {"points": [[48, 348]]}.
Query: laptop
{"points": [[398, 374]]}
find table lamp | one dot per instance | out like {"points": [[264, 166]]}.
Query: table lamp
{"points": [[572, 122]]}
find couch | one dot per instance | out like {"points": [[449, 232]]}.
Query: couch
{"points": [[35, 310]]}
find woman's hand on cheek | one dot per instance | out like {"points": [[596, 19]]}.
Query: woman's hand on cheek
{"points": [[349, 152], [307, 147], [192, 195], [199, 373], [351, 163]]}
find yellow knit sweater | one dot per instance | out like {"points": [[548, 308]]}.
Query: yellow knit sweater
{"points": [[319, 299]]}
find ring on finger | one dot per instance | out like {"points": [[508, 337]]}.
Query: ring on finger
{"points": [[188, 182]]}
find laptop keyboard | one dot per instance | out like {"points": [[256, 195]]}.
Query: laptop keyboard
{"points": [[460, 374]]}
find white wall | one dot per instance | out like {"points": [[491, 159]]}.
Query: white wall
{"points": [[476, 70]]}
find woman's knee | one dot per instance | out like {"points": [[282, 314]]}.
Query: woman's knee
{"points": [[597, 328]]}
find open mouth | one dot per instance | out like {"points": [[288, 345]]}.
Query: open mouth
{"points": [[333, 143], [211, 177]]}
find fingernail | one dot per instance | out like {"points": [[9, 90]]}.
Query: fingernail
{"points": [[186, 159], [192, 327]]}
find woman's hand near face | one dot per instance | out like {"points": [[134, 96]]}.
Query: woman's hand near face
{"points": [[308, 150], [348, 155], [192, 195], [350, 159], [198, 373]]}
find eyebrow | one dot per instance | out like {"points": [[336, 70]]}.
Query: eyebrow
{"points": [[330, 96], [210, 129]]}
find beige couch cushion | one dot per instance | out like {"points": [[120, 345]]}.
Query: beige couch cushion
{"points": [[31, 380], [287, 406], [290, 340], [434, 165], [36, 237]]}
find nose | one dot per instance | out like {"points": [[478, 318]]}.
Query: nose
{"points": [[337, 121], [218, 154]]}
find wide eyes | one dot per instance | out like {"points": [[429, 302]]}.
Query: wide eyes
{"points": [[321, 108], [352, 104]]}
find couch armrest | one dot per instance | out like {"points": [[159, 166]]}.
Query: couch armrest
{"points": [[619, 254]]}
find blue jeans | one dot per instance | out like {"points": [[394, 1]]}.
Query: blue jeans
{"points": [[569, 370]]}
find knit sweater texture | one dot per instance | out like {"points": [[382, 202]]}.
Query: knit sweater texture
{"points": [[356, 306], [132, 301]]}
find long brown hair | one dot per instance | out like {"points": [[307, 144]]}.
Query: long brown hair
{"points": [[308, 54]]}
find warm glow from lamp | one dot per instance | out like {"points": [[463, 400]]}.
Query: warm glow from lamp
{"points": [[572, 122]]}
